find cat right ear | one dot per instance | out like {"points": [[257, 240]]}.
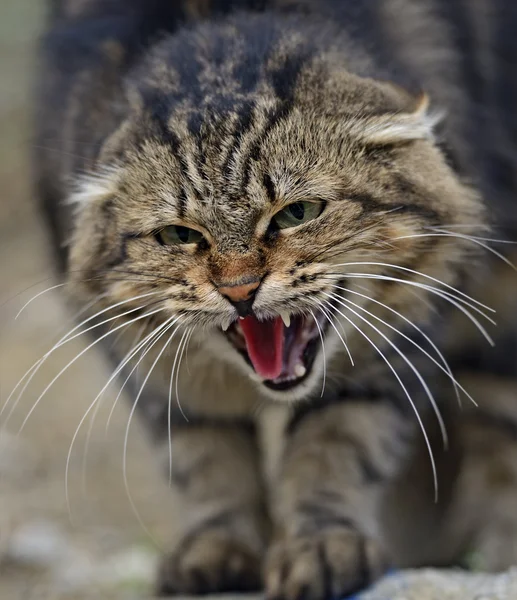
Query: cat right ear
{"points": [[95, 188], [397, 128]]}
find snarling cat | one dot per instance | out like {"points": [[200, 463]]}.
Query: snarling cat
{"points": [[282, 208]]}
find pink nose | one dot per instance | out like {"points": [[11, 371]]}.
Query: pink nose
{"points": [[239, 293]]}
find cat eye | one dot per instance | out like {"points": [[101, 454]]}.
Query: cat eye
{"points": [[177, 234], [298, 213]]}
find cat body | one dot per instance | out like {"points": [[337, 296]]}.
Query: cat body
{"points": [[282, 206]]}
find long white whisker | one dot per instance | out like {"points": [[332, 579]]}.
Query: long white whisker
{"points": [[187, 339], [440, 293], [133, 345], [481, 226], [473, 240], [474, 237], [35, 365], [423, 382], [95, 403], [54, 287], [323, 351], [77, 358], [424, 286], [325, 313], [406, 269], [169, 406], [75, 317], [126, 436], [31, 372], [446, 368], [401, 383], [150, 339], [38, 365], [186, 351]]}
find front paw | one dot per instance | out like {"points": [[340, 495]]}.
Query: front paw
{"points": [[211, 562], [330, 564]]}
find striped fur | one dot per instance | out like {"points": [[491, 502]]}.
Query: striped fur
{"points": [[399, 116]]}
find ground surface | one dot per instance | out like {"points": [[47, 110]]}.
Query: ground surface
{"points": [[94, 546]]}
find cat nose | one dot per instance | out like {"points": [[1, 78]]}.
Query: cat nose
{"points": [[241, 295]]}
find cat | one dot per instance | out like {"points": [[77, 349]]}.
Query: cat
{"points": [[282, 208]]}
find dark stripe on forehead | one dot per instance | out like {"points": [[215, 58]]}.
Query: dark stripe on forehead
{"points": [[274, 117], [243, 123], [182, 203], [159, 115], [284, 78], [269, 187]]}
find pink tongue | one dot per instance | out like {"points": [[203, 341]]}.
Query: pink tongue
{"points": [[265, 344]]}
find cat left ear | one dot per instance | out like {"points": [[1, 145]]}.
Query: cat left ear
{"points": [[400, 127]]}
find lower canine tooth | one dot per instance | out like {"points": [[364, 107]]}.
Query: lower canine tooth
{"points": [[286, 319], [300, 370]]}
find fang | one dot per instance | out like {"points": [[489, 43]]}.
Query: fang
{"points": [[286, 319]]}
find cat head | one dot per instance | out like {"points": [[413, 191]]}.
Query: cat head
{"points": [[266, 197]]}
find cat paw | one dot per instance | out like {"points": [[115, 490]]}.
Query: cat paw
{"points": [[331, 564], [211, 562]]}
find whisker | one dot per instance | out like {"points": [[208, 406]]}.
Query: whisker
{"points": [[325, 312], [75, 317], [120, 366], [169, 406], [186, 352], [38, 295], [444, 295], [134, 344], [473, 240], [481, 226], [401, 383], [64, 340], [150, 342], [323, 351], [144, 274], [77, 358], [417, 373], [187, 339], [446, 368], [474, 237], [424, 286], [408, 270], [126, 436]]}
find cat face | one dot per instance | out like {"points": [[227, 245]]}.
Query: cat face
{"points": [[258, 225]]}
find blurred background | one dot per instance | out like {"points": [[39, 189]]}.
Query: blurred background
{"points": [[93, 546]]}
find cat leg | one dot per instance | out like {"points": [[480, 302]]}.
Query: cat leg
{"points": [[216, 476], [336, 463]]}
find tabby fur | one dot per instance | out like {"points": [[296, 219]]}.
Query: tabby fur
{"points": [[215, 115]]}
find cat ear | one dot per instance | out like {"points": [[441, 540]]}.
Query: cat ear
{"points": [[94, 188], [399, 127]]}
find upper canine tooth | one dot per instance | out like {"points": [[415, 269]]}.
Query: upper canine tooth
{"points": [[225, 326], [286, 319]]}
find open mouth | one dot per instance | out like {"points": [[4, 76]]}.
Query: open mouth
{"points": [[281, 355]]}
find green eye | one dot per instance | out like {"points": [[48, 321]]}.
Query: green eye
{"points": [[297, 213], [176, 234]]}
